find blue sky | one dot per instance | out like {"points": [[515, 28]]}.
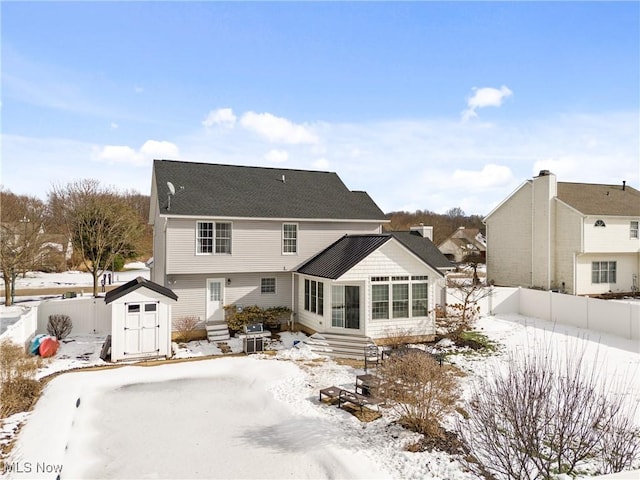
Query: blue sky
{"points": [[425, 105]]}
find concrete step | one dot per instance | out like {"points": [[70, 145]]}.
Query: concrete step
{"points": [[217, 331]]}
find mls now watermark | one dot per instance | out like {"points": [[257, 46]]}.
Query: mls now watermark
{"points": [[32, 467]]}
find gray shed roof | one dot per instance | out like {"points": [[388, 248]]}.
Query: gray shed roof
{"points": [[135, 284], [208, 189]]}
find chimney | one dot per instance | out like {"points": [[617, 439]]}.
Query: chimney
{"points": [[423, 231], [544, 173], [624, 184]]}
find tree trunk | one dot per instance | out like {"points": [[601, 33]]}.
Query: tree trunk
{"points": [[8, 292]]}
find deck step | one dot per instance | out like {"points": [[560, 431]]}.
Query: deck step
{"points": [[217, 331], [339, 346]]}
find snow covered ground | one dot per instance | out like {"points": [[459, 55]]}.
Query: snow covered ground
{"points": [[252, 417]]}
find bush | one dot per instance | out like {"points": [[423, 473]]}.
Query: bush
{"points": [[59, 326], [185, 327], [18, 387], [419, 390], [236, 320], [546, 416]]}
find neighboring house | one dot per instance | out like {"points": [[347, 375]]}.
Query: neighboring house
{"points": [[463, 243], [578, 238], [235, 235]]}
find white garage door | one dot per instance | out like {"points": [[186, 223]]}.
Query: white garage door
{"points": [[141, 328]]}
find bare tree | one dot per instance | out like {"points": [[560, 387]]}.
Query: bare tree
{"points": [[102, 225], [459, 317], [21, 237], [547, 415]]}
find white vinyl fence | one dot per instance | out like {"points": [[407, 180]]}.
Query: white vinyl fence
{"points": [[605, 316], [88, 314], [23, 329]]}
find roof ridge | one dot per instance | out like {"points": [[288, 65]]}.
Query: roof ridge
{"points": [[244, 166]]}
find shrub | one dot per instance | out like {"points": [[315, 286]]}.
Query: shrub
{"points": [[236, 320], [185, 327], [545, 416], [18, 387], [59, 326], [419, 390]]}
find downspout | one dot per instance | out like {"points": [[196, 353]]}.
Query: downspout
{"points": [[293, 298], [533, 232], [165, 280]]}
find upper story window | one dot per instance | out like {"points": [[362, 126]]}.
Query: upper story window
{"points": [[599, 223], [633, 231], [213, 237], [289, 238]]}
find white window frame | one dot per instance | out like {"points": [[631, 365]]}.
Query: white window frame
{"points": [[314, 296], [214, 238], [265, 285], [634, 229], [285, 239], [607, 272], [391, 304]]}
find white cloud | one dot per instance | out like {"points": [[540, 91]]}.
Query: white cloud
{"points": [[277, 129], [485, 97], [277, 156], [122, 154], [222, 116], [491, 176], [321, 164], [114, 125]]}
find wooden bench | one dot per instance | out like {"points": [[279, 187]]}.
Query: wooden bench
{"points": [[356, 399]]}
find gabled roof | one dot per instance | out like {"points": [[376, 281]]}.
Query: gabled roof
{"points": [[346, 252], [135, 284], [215, 190], [598, 199], [423, 248], [342, 255]]}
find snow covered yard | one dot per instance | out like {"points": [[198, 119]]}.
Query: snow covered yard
{"points": [[215, 416]]}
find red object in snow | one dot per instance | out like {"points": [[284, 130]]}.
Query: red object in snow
{"points": [[49, 347]]}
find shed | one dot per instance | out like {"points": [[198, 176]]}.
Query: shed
{"points": [[140, 313]]}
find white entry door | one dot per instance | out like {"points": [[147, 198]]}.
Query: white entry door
{"points": [[141, 328], [215, 299]]}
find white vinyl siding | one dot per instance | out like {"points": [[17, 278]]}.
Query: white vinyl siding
{"points": [[256, 245], [314, 296]]}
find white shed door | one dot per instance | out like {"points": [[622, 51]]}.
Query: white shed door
{"points": [[141, 327]]}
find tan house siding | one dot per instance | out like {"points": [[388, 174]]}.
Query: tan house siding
{"points": [[567, 245], [509, 240], [614, 237], [626, 266]]}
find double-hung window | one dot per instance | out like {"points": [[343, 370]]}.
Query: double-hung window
{"points": [[267, 285], [314, 297], [633, 229], [289, 238], [213, 237], [603, 272]]}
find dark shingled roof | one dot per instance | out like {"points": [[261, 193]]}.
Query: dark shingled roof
{"points": [[135, 284], [207, 189], [343, 254], [598, 199], [423, 248]]}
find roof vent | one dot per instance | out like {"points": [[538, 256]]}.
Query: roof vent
{"points": [[284, 180], [624, 185]]}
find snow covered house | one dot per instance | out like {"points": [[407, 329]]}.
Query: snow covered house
{"points": [[463, 243], [578, 238], [237, 235]]}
